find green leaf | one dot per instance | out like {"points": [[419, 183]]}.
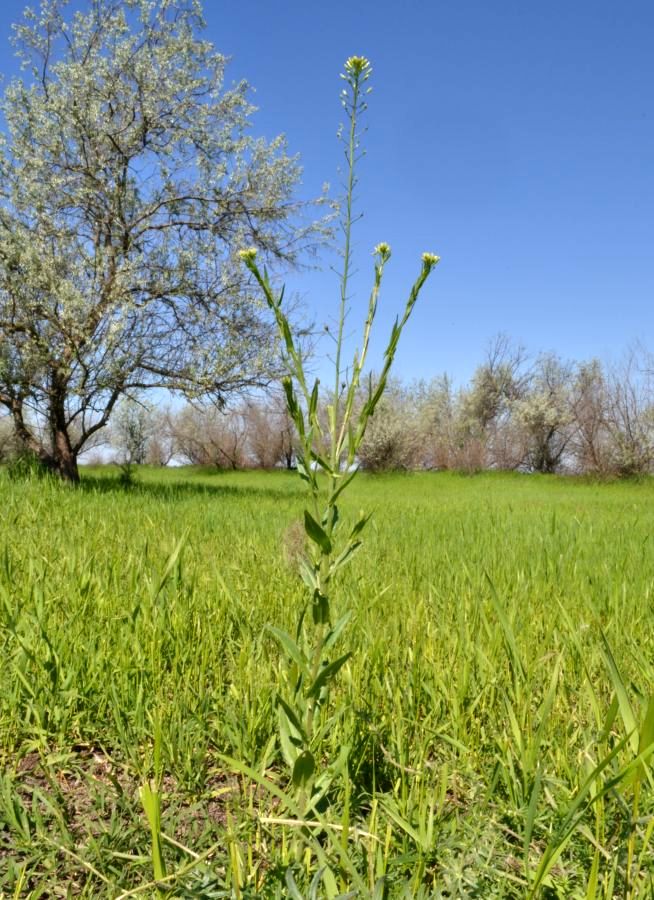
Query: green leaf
{"points": [[322, 462], [544, 712], [608, 720], [293, 719], [646, 741], [530, 818], [288, 802], [345, 480], [286, 333], [360, 525], [371, 405], [291, 648], [294, 408], [291, 885], [379, 889], [151, 801], [170, 564], [304, 473], [390, 808], [626, 712], [288, 745], [352, 446], [308, 575], [584, 797], [345, 557], [331, 415], [515, 660], [647, 728], [324, 781], [303, 770], [327, 673], [316, 533], [313, 401], [335, 632], [320, 609], [291, 399], [331, 518], [591, 889], [315, 884]]}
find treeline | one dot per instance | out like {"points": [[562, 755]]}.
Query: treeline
{"points": [[253, 434], [519, 413], [532, 415]]}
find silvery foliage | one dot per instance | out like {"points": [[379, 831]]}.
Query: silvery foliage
{"points": [[128, 181]]}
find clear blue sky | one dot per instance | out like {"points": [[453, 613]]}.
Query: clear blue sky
{"points": [[514, 139]]}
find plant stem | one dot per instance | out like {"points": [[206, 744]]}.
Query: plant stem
{"points": [[347, 258]]}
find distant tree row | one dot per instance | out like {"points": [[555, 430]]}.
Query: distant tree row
{"points": [[534, 415], [539, 414], [254, 434]]}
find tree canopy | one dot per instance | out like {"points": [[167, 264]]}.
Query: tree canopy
{"points": [[128, 181]]}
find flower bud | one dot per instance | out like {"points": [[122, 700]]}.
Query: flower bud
{"points": [[358, 65], [248, 256], [429, 260]]}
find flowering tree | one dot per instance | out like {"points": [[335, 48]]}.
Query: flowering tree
{"points": [[127, 183]]}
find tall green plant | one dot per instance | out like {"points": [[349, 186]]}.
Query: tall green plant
{"points": [[330, 433]]}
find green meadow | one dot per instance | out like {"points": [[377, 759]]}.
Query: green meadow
{"points": [[491, 728]]}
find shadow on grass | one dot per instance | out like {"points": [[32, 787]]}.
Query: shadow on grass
{"points": [[184, 487]]}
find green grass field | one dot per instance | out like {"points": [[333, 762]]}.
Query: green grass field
{"points": [[491, 737]]}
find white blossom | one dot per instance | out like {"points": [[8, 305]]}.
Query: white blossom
{"points": [[128, 180]]}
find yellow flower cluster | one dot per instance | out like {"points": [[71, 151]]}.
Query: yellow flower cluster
{"points": [[430, 259], [356, 65], [249, 255]]}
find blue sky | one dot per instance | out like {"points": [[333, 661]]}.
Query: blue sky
{"points": [[514, 139]]}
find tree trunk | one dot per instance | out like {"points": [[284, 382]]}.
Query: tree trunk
{"points": [[64, 459], [60, 458]]}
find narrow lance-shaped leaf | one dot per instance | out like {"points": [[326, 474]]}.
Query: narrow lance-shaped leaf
{"points": [[345, 481], [320, 608], [289, 746], [291, 648], [336, 630], [331, 518], [327, 673], [360, 525], [322, 462], [293, 719], [308, 575], [316, 533], [305, 471], [626, 711], [313, 402], [646, 740], [345, 557], [303, 770]]}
